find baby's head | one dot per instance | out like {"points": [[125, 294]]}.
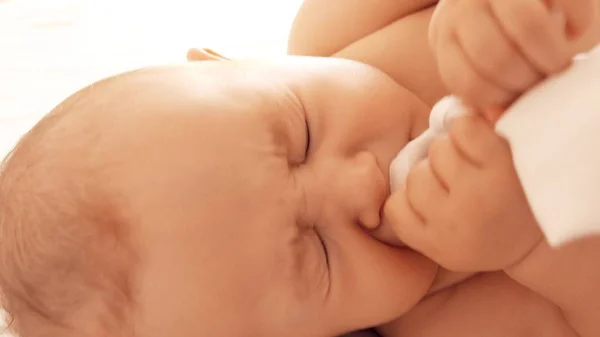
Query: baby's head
{"points": [[209, 199]]}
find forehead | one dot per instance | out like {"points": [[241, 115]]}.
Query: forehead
{"points": [[176, 117], [194, 129], [170, 118]]}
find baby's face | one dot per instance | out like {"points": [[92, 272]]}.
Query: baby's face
{"points": [[252, 186]]}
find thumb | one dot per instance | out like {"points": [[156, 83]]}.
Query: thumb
{"points": [[371, 283], [408, 226]]}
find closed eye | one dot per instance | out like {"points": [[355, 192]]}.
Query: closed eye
{"points": [[324, 246], [307, 126]]}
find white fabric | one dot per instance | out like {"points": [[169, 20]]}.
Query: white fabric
{"points": [[554, 131], [442, 114]]}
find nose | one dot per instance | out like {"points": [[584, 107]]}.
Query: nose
{"points": [[363, 189]]}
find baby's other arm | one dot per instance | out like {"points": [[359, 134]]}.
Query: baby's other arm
{"points": [[324, 27], [569, 277], [389, 35]]}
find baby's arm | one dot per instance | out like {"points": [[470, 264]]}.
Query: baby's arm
{"points": [[389, 35], [569, 277], [324, 27]]}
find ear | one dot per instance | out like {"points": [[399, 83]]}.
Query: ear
{"points": [[371, 283], [204, 54]]}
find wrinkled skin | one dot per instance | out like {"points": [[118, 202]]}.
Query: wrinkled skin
{"points": [[455, 307], [265, 177]]}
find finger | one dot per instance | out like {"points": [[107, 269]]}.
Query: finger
{"points": [[363, 270], [493, 55], [447, 163], [579, 16], [385, 233], [441, 18], [461, 78], [477, 141], [424, 191], [408, 225], [399, 215], [533, 28]]}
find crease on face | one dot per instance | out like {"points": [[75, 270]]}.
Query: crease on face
{"points": [[146, 130]]}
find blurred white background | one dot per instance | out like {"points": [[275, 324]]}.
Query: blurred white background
{"points": [[51, 48]]}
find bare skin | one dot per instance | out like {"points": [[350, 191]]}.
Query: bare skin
{"points": [[489, 52], [418, 215], [248, 189]]}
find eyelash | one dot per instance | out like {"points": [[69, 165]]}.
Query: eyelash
{"points": [[325, 251], [307, 126], [323, 245]]}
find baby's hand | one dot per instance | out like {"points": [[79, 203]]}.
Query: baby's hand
{"points": [[490, 51], [464, 207]]}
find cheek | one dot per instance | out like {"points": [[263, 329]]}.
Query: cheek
{"points": [[299, 294], [188, 291], [386, 137], [388, 147]]}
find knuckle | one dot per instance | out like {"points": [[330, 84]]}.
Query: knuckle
{"points": [[499, 66], [502, 64], [585, 19], [497, 56], [497, 62], [526, 20]]}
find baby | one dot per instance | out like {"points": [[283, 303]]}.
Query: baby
{"points": [[488, 52], [233, 199], [210, 199], [116, 212]]}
